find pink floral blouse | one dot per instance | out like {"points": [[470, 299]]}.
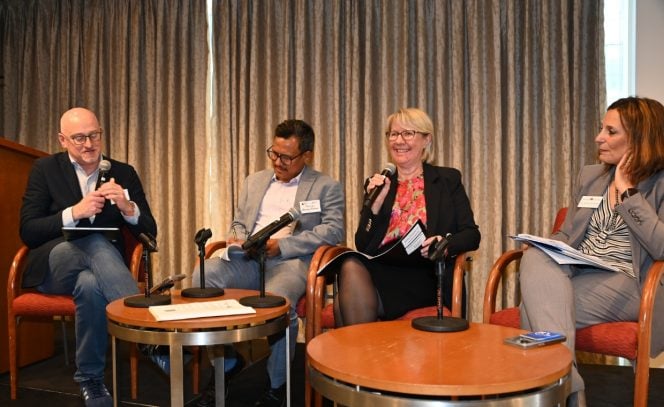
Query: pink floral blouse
{"points": [[409, 206]]}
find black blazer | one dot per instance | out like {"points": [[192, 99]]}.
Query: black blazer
{"points": [[448, 211], [53, 187]]}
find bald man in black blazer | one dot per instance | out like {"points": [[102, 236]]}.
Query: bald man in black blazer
{"points": [[63, 190]]}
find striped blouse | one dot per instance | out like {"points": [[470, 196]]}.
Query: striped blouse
{"points": [[607, 237]]}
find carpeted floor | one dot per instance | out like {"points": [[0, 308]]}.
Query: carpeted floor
{"points": [[50, 383]]}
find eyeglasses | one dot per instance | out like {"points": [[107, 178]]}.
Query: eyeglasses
{"points": [[80, 138], [406, 134], [285, 159]]}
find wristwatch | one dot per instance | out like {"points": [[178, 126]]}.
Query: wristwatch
{"points": [[628, 192]]}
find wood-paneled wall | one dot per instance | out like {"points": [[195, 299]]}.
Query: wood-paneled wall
{"points": [[35, 338]]}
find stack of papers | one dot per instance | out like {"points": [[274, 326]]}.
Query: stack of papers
{"points": [[199, 310], [563, 253]]}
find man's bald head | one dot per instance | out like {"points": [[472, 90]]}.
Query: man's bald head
{"points": [[76, 117], [80, 134]]}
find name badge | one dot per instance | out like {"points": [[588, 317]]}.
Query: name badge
{"points": [[310, 206], [588, 201]]}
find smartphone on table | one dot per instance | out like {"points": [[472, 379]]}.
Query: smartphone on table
{"points": [[535, 339]]}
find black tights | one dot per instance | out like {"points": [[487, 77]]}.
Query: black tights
{"points": [[356, 301]]}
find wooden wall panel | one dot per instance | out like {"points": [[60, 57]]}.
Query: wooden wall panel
{"points": [[36, 338]]}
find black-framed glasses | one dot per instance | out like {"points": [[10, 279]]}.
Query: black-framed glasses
{"points": [[406, 134], [285, 159], [79, 138]]}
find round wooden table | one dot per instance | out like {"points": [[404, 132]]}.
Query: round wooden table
{"points": [[139, 325], [390, 363]]}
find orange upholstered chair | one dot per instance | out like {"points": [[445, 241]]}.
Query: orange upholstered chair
{"points": [[630, 340], [31, 304], [320, 310]]}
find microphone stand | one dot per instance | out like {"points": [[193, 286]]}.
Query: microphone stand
{"points": [[147, 300], [202, 292], [262, 300], [438, 323]]}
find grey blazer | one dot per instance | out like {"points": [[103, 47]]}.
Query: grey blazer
{"points": [[312, 229], [644, 215]]}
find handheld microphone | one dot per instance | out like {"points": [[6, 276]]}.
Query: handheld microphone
{"points": [[104, 168], [263, 234], [371, 197], [437, 250], [149, 241]]}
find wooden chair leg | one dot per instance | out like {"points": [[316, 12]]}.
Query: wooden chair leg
{"points": [[307, 385], [13, 355], [195, 369], [133, 370], [641, 380]]}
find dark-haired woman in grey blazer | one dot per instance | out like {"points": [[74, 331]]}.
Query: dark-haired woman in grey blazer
{"points": [[625, 228]]}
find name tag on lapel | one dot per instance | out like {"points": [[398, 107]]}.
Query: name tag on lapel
{"points": [[588, 201], [312, 206]]}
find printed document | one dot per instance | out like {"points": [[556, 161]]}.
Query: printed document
{"points": [[200, 309], [404, 251], [563, 253]]}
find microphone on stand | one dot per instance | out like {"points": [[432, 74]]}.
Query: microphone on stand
{"points": [[438, 254], [104, 168], [167, 283], [437, 250], [255, 247], [146, 300], [148, 241], [262, 235], [371, 197], [201, 239]]}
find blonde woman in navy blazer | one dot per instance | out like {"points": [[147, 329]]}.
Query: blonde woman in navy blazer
{"points": [[371, 290]]}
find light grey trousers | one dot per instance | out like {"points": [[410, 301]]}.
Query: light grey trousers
{"points": [[565, 298]]}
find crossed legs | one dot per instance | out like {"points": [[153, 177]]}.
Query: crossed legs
{"points": [[93, 271], [564, 299], [357, 300]]}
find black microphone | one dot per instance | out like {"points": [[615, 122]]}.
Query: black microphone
{"points": [[169, 282], [202, 236], [149, 241], [371, 197], [272, 228], [437, 250], [104, 168]]}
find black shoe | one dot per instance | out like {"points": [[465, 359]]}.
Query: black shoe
{"points": [[160, 356], [273, 397], [95, 394], [208, 397]]}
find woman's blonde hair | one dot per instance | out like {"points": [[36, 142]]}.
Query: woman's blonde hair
{"points": [[414, 119]]}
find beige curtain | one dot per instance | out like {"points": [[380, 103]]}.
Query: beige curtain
{"points": [[141, 66], [515, 89]]}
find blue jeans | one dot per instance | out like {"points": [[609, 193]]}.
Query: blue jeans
{"points": [[286, 278], [93, 271]]}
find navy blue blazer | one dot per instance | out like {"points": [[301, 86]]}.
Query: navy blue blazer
{"points": [[448, 211], [53, 187]]}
